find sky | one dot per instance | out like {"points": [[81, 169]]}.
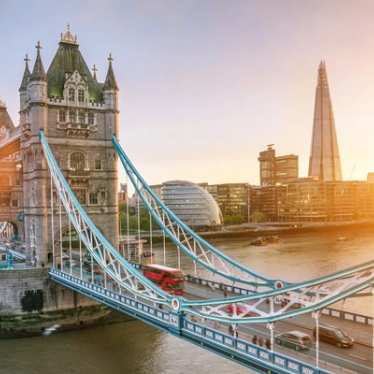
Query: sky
{"points": [[205, 85]]}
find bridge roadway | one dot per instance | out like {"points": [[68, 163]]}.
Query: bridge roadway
{"points": [[203, 334], [358, 359]]}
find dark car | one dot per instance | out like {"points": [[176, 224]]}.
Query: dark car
{"points": [[333, 335], [294, 339]]}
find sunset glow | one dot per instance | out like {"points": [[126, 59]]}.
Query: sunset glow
{"points": [[199, 102]]}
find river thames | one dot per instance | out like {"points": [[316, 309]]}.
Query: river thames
{"points": [[135, 348]]}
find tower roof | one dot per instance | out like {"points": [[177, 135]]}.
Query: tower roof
{"points": [[68, 37], [324, 161], [110, 80], [5, 120], [38, 73], [26, 75], [68, 59]]}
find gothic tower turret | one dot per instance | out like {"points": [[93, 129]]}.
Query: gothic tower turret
{"points": [[110, 93], [34, 116], [79, 115], [37, 95], [23, 98]]}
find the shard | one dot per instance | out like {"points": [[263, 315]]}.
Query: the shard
{"points": [[324, 162]]}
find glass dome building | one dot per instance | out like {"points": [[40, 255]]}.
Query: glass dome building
{"points": [[192, 204]]}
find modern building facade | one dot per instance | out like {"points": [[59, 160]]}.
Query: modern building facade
{"points": [[192, 204], [324, 162], [233, 200], [314, 200], [277, 169]]}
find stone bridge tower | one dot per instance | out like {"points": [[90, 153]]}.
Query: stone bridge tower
{"points": [[79, 115]]}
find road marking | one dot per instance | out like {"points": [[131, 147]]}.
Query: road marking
{"points": [[359, 357]]}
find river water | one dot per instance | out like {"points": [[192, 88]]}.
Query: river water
{"points": [[135, 348]]}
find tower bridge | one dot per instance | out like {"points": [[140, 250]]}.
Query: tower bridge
{"points": [[79, 114], [66, 165]]}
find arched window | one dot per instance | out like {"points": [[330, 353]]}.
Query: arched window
{"points": [[82, 117], [62, 116], [77, 161], [81, 95], [98, 164], [81, 194], [72, 117], [71, 94], [91, 118]]}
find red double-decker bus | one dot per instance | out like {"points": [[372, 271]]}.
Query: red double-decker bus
{"points": [[169, 279]]}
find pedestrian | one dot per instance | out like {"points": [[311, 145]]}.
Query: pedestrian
{"points": [[260, 341], [268, 344], [254, 339], [224, 293], [231, 330]]}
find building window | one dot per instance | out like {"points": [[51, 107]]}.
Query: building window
{"points": [[5, 198], [91, 118], [82, 117], [103, 196], [15, 203], [93, 198], [81, 95], [71, 94], [97, 164], [77, 161], [81, 195], [62, 116], [72, 117]]}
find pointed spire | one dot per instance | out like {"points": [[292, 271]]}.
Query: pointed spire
{"points": [[94, 70], [322, 74], [26, 75], [324, 161], [38, 73], [110, 80]]}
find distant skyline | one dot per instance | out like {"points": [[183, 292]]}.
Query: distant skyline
{"points": [[206, 85]]}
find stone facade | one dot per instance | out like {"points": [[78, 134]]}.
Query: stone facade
{"points": [[30, 303], [79, 116]]}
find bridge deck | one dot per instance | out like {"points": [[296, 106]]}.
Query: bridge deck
{"points": [[357, 359], [203, 334]]}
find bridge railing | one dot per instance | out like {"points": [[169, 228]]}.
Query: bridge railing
{"points": [[331, 312], [181, 325], [243, 347], [348, 316]]}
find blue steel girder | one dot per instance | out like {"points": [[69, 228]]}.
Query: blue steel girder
{"points": [[102, 251], [260, 307], [189, 242], [308, 296], [201, 334]]}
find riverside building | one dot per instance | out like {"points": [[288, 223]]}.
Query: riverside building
{"points": [[277, 169]]}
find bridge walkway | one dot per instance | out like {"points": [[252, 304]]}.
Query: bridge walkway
{"points": [[357, 359]]}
